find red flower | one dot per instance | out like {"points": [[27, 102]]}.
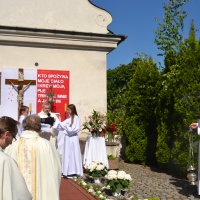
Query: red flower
{"points": [[111, 127], [114, 128]]}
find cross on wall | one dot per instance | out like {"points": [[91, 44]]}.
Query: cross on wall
{"points": [[20, 85]]}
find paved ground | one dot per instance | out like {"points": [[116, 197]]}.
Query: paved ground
{"points": [[149, 183]]}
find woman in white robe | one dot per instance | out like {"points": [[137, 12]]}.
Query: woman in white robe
{"points": [[71, 157]]}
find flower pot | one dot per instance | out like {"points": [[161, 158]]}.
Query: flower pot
{"points": [[117, 192], [97, 180], [113, 164], [102, 134]]}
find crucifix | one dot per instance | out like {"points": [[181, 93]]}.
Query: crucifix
{"points": [[22, 86]]}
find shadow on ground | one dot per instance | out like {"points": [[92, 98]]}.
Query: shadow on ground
{"points": [[184, 187]]}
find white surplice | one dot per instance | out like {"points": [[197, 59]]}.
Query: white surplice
{"points": [[52, 133], [21, 118], [39, 163], [95, 150], [71, 155], [19, 126], [12, 183]]}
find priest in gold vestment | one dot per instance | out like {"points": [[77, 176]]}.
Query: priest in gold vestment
{"points": [[38, 161]]}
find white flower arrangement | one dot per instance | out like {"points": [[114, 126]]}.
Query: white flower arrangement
{"points": [[96, 169], [118, 179]]}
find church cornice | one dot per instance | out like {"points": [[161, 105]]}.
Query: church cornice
{"points": [[19, 36]]}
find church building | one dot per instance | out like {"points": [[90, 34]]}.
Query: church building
{"points": [[61, 45]]}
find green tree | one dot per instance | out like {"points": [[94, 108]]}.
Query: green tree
{"points": [[178, 105], [140, 121], [170, 40], [187, 95], [169, 35], [117, 84]]}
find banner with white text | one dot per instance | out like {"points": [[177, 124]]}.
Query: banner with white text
{"points": [[59, 81]]}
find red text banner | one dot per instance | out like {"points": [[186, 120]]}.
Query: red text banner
{"points": [[59, 80]]}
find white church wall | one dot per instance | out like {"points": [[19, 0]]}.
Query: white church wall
{"points": [[87, 72], [67, 35], [68, 15]]}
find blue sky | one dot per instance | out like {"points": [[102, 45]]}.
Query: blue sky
{"points": [[136, 19]]}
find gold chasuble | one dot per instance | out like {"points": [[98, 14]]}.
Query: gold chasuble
{"points": [[27, 163]]}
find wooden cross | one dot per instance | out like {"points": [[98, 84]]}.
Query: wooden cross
{"points": [[22, 86]]}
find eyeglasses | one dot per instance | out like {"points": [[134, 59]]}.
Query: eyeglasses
{"points": [[13, 136]]}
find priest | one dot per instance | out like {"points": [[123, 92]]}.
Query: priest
{"points": [[38, 161], [48, 119], [12, 183]]}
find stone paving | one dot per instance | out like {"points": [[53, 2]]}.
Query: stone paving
{"points": [[148, 182]]}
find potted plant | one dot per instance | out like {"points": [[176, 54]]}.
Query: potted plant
{"points": [[96, 124], [97, 170], [117, 181], [111, 130], [113, 162]]}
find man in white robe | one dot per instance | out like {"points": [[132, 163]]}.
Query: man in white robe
{"points": [[38, 161], [12, 183], [48, 131]]}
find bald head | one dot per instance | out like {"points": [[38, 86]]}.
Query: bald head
{"points": [[32, 123]]}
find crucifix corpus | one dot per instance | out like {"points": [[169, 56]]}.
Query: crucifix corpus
{"points": [[22, 86]]}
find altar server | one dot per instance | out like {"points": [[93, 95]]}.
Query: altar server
{"points": [[24, 110], [71, 157]]}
